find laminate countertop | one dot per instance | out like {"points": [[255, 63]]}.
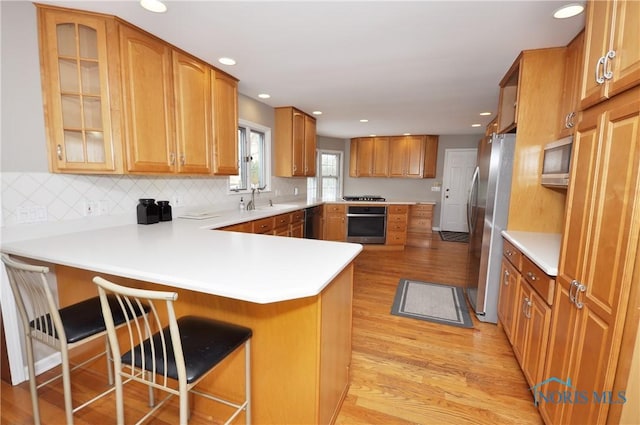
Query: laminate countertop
{"points": [[188, 254], [541, 248]]}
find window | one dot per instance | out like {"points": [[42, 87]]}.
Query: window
{"points": [[254, 142], [327, 184]]}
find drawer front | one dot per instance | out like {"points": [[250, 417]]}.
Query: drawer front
{"points": [[397, 209], [395, 218], [335, 209], [297, 216], [396, 227], [282, 220], [513, 254], [264, 225], [240, 227], [420, 225], [422, 211], [396, 238], [542, 283]]}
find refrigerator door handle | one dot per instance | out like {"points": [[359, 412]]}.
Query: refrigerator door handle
{"points": [[474, 187]]}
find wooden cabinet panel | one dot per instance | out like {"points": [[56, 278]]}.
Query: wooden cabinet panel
{"points": [[264, 225], [611, 26], [369, 157], [192, 85], [571, 86], [147, 91], [334, 227], [397, 225], [295, 143], [225, 124], [599, 253], [419, 223], [397, 156], [414, 156], [246, 227], [510, 280], [80, 89], [539, 281], [512, 254]]}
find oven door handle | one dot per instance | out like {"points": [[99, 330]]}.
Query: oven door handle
{"points": [[366, 215]]}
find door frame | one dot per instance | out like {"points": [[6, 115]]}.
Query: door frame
{"points": [[445, 172]]}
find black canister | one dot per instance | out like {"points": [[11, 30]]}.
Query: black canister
{"points": [[148, 211], [165, 210]]}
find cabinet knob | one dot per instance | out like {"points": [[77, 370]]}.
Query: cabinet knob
{"points": [[532, 276]]}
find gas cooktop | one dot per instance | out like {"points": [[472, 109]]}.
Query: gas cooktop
{"points": [[372, 198]]}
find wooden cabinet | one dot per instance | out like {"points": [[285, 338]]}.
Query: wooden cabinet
{"points": [[119, 100], [148, 102], [412, 156], [599, 256], [534, 118], [225, 123], [419, 225], [612, 50], [397, 218], [571, 86], [524, 311], [369, 157], [509, 289], [334, 227], [192, 94], [281, 225], [246, 227], [296, 229], [295, 143], [263, 225], [80, 84]]}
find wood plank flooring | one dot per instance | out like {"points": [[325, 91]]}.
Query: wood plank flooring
{"points": [[404, 371]]}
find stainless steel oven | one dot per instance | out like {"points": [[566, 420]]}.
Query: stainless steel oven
{"points": [[367, 224]]}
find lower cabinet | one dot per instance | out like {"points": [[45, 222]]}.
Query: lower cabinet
{"points": [[335, 226], [397, 225], [289, 224], [296, 228], [419, 224], [524, 311]]}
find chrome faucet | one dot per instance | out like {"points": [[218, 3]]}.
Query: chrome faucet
{"points": [[251, 205]]}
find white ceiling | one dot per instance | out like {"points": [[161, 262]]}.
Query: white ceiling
{"points": [[423, 67]]}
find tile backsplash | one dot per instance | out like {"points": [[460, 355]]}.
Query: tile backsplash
{"points": [[30, 197]]}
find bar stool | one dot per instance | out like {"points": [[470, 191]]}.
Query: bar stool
{"points": [[178, 355], [62, 329]]}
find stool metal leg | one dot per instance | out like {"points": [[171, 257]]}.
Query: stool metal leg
{"points": [[33, 388], [247, 377]]}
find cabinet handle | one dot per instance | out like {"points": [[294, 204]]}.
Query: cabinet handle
{"points": [[579, 288], [532, 276], [172, 158], [506, 278], [527, 308], [599, 79], [59, 152], [608, 74], [183, 160], [568, 120], [572, 287], [509, 253]]}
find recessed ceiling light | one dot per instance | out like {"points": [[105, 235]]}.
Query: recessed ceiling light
{"points": [[372, 135], [264, 96], [485, 114], [317, 112], [364, 120], [154, 6], [568, 10], [227, 61], [406, 134], [476, 125]]}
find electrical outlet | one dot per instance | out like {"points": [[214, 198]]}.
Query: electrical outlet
{"points": [[435, 188], [33, 214], [93, 208], [176, 200], [295, 191]]}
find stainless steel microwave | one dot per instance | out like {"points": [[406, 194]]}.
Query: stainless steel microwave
{"points": [[556, 163]]}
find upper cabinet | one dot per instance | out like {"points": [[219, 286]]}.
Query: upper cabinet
{"points": [[612, 50], [571, 86], [395, 156], [295, 143], [119, 100], [80, 90], [148, 102], [225, 123]]}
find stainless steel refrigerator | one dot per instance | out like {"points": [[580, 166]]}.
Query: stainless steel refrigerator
{"points": [[487, 214]]}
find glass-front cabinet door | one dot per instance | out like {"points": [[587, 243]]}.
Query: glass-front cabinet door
{"points": [[77, 100]]}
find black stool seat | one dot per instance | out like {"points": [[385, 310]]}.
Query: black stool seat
{"points": [[83, 319], [205, 342]]}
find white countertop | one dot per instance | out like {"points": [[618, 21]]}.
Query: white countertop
{"points": [[186, 254], [541, 248]]}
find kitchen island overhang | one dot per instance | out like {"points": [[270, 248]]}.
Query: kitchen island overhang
{"points": [[295, 294]]}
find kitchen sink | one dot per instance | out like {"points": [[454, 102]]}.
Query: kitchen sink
{"points": [[276, 207]]}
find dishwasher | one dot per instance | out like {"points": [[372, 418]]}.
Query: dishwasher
{"points": [[313, 222]]}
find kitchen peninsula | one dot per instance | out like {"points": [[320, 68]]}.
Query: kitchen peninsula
{"points": [[294, 293]]}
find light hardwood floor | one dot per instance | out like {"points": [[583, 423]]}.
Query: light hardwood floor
{"points": [[404, 371]]}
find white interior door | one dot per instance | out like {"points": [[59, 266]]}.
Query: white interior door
{"points": [[459, 165]]}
